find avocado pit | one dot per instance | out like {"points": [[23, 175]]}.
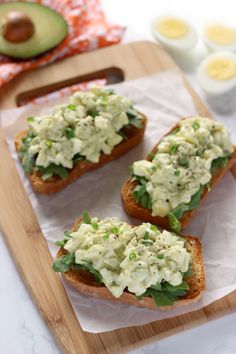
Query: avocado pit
{"points": [[17, 27]]}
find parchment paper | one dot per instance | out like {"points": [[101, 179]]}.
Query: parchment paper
{"points": [[163, 98]]}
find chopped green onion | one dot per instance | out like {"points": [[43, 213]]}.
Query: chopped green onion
{"points": [[106, 237], [69, 133], [147, 242], [132, 256], [95, 226], [196, 125], [177, 173], [115, 230], [184, 162], [30, 119], [49, 143], [173, 149], [93, 113], [146, 235], [160, 255], [72, 107], [153, 228], [154, 168]]}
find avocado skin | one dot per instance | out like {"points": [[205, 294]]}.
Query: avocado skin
{"points": [[50, 30]]}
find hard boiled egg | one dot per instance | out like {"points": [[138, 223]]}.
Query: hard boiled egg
{"points": [[217, 77], [217, 73], [219, 37], [174, 33]]}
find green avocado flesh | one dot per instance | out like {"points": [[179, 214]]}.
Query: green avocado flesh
{"points": [[50, 28]]}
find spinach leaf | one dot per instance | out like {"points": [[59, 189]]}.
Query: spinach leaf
{"points": [[131, 113], [90, 268], [60, 243], [165, 294], [61, 171], [175, 291], [28, 160], [195, 200], [151, 155], [28, 163], [46, 172], [189, 272], [159, 298], [64, 263], [219, 163], [67, 262], [136, 122], [134, 118], [123, 135], [179, 210], [141, 195], [67, 236], [174, 222], [78, 157], [86, 218], [193, 204], [157, 287], [52, 170]]}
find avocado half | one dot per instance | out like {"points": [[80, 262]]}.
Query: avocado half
{"points": [[44, 29]]}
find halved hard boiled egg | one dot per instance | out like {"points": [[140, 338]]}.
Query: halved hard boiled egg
{"points": [[174, 33], [219, 37], [217, 73]]}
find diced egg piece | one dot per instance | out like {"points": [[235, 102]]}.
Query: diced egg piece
{"points": [[174, 33], [217, 73], [218, 37]]}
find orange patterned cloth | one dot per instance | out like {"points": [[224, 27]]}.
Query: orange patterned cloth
{"points": [[88, 30]]}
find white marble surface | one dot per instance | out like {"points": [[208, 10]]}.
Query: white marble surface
{"points": [[22, 331]]}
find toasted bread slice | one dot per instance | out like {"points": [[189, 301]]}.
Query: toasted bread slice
{"points": [[84, 282], [55, 183], [136, 210]]}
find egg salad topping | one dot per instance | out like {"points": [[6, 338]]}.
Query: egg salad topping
{"points": [[89, 125], [126, 258], [220, 34], [221, 68], [172, 181], [171, 27]]}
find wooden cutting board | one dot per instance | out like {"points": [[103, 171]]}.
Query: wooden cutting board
{"points": [[19, 224]]}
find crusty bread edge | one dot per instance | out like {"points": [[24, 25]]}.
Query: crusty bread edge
{"points": [[56, 184], [136, 210], [84, 282]]}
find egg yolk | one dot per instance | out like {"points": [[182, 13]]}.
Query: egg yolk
{"points": [[172, 28], [221, 69], [221, 34]]}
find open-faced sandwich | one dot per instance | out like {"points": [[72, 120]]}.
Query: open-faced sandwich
{"points": [[186, 163], [95, 127], [139, 265]]}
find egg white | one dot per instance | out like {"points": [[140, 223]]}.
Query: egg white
{"points": [[210, 85], [181, 44]]}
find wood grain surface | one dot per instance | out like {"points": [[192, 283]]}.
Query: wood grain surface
{"points": [[22, 232]]}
